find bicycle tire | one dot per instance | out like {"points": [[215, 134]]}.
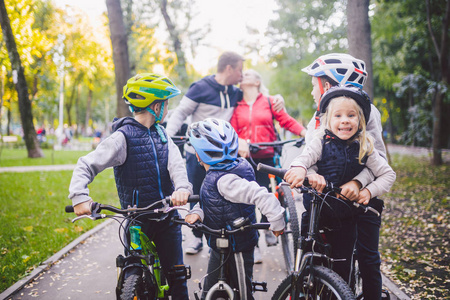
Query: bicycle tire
{"points": [[289, 241], [133, 288], [326, 284]]}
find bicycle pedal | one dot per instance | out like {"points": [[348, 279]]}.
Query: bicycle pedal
{"points": [[259, 286], [179, 272], [385, 294]]}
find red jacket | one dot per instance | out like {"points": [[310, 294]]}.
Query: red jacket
{"points": [[255, 123]]}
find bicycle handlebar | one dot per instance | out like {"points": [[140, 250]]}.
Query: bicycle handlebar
{"points": [[255, 147], [328, 188], [202, 227], [281, 172], [96, 208]]}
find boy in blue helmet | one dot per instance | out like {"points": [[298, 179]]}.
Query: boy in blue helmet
{"points": [[147, 167], [228, 192]]}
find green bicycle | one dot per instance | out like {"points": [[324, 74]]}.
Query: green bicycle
{"points": [[140, 272]]}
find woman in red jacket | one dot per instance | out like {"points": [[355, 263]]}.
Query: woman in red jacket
{"points": [[253, 120]]}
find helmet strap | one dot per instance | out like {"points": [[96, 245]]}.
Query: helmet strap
{"points": [[319, 81], [157, 120]]}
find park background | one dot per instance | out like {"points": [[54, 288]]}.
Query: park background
{"points": [[62, 71]]}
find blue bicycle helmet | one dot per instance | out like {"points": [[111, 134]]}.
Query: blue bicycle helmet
{"points": [[214, 140], [349, 91]]}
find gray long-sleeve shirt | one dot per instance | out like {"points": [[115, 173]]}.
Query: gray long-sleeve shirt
{"points": [[378, 166], [113, 152], [239, 190], [373, 128]]}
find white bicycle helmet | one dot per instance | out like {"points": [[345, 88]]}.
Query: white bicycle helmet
{"points": [[342, 68]]}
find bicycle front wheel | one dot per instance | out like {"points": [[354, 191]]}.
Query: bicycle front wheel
{"points": [[133, 288], [289, 240], [324, 284]]}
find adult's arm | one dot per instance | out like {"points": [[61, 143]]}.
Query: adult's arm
{"points": [[286, 121], [384, 174], [181, 112]]}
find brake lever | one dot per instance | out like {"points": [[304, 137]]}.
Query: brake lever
{"points": [[366, 208], [92, 217]]}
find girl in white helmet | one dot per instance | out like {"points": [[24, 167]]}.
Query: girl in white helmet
{"points": [[339, 69]]}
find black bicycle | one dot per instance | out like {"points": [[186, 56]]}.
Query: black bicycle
{"points": [[140, 275], [313, 277], [289, 240], [222, 289]]}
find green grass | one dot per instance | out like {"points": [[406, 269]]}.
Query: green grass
{"points": [[415, 235], [33, 223], [19, 157]]}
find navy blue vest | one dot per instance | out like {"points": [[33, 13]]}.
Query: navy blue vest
{"points": [[220, 213], [339, 164], [143, 178]]}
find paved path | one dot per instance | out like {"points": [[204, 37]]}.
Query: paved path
{"points": [[86, 268]]}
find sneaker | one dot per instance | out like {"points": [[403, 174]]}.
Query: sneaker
{"points": [[257, 256], [196, 247], [271, 239]]}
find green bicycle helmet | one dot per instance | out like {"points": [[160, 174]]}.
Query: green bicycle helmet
{"points": [[146, 88]]}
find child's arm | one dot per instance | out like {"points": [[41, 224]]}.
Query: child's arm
{"points": [[297, 171], [385, 178], [238, 190], [109, 153], [177, 171], [195, 214]]}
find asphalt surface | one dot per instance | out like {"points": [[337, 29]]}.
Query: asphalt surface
{"points": [[85, 269]]}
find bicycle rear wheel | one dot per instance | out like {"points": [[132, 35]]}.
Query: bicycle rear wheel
{"points": [[289, 240], [325, 284]]}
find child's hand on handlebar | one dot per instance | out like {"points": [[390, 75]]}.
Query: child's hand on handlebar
{"points": [[179, 198], [278, 232], [83, 208], [364, 196], [317, 182], [350, 190], [295, 176], [192, 218]]}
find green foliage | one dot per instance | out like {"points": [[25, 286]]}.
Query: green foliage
{"points": [[415, 230], [18, 157], [34, 225], [303, 31]]}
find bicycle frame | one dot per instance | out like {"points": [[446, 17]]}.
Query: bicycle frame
{"points": [[143, 248]]}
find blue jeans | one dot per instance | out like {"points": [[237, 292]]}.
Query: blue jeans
{"points": [[238, 269], [196, 175]]}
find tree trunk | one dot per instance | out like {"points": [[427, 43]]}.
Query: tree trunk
{"points": [[120, 53], [359, 37], [442, 54], [88, 110], [25, 109], [181, 61]]}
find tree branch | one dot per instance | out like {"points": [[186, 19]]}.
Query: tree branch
{"points": [[433, 38]]}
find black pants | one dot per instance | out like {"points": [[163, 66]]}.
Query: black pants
{"points": [[196, 175]]}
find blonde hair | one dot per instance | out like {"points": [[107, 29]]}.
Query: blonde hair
{"points": [[262, 88], [366, 144]]}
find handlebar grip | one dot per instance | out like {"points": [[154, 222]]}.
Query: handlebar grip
{"points": [[194, 198], [69, 209], [261, 226], [271, 170]]}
